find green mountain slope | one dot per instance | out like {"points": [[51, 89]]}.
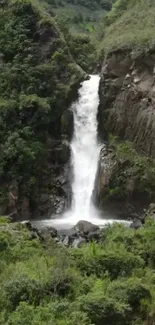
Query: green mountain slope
{"points": [[130, 26], [81, 16], [37, 77]]}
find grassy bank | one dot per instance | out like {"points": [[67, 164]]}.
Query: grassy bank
{"points": [[130, 25]]}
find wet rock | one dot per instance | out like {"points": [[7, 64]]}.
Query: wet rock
{"points": [[53, 232], [14, 216], [68, 232], [28, 225], [61, 204], [44, 198], [106, 167], [127, 80], [94, 235], [77, 243], [25, 208], [58, 152], [47, 232], [67, 124], [136, 224], [85, 227], [66, 241]]}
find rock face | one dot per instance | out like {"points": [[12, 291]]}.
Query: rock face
{"points": [[106, 167], [54, 196], [117, 192], [127, 110], [127, 99]]}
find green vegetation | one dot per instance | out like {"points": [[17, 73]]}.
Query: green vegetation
{"points": [[110, 283], [83, 51], [37, 81], [133, 175], [80, 15], [42, 61], [130, 26], [81, 47]]}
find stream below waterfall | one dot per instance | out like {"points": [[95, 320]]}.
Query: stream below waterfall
{"points": [[85, 151]]}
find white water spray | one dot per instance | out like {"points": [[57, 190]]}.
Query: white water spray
{"points": [[85, 150], [85, 155]]}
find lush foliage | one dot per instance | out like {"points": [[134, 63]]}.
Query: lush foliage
{"points": [[80, 46], [80, 15], [134, 174], [131, 26], [110, 283], [37, 77]]}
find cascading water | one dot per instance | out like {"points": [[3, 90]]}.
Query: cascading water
{"points": [[85, 155], [85, 149]]}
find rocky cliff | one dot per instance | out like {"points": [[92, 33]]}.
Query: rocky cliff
{"points": [[127, 111], [127, 93]]}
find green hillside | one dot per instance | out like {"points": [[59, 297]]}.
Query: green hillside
{"points": [[37, 78], [81, 16], [130, 25]]}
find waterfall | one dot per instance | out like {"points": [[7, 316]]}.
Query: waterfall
{"points": [[85, 149], [85, 155]]}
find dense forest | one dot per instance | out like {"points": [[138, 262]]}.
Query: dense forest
{"points": [[82, 16], [46, 49]]}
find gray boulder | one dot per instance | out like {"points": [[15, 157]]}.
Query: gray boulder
{"points": [[136, 224], [85, 227], [47, 232]]}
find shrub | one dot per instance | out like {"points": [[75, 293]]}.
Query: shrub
{"points": [[115, 262], [104, 310], [22, 288]]}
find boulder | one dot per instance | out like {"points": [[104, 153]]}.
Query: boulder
{"points": [[85, 227], [46, 232], [28, 225], [68, 232], [136, 224]]}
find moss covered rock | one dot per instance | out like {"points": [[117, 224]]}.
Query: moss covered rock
{"points": [[125, 179]]}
